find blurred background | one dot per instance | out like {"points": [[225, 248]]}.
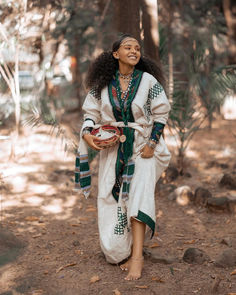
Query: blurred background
{"points": [[47, 46], [45, 50]]}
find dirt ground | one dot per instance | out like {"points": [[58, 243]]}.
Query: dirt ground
{"points": [[56, 248]]}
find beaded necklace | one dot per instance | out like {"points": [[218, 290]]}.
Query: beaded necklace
{"points": [[118, 88], [125, 77]]}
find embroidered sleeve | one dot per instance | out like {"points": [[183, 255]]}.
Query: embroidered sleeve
{"points": [[95, 93], [160, 106], [157, 131], [155, 90], [91, 108]]}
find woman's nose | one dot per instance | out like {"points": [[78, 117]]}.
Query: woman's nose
{"points": [[133, 50]]}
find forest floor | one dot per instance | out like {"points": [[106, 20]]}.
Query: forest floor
{"points": [[49, 240]]}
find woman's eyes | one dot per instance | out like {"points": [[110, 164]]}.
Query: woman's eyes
{"points": [[128, 48]]}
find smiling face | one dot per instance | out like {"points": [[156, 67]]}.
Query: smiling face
{"points": [[128, 53]]}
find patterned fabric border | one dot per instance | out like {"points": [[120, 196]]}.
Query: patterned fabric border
{"points": [[157, 131], [127, 177], [122, 222], [147, 220], [94, 92], [122, 112], [155, 90], [82, 173]]}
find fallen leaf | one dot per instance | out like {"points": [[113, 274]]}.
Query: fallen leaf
{"points": [[79, 252], [233, 272], [94, 279], [116, 292], [141, 287], [231, 294], [91, 210], [65, 266], [158, 279], [31, 218], [179, 248], [37, 236], [154, 245], [37, 292], [83, 218], [45, 272], [179, 235], [190, 242], [75, 225]]}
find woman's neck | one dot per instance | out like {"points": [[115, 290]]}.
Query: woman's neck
{"points": [[125, 69]]}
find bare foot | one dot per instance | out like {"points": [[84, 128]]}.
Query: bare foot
{"points": [[135, 269], [125, 266]]}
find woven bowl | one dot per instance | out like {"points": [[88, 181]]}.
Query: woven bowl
{"points": [[108, 136]]}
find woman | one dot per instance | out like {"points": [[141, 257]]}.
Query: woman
{"points": [[125, 92]]}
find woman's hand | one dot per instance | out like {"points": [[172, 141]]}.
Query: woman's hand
{"points": [[147, 151], [90, 141]]}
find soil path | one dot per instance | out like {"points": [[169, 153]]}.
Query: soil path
{"points": [[58, 228]]}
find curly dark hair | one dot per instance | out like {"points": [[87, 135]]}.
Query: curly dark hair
{"points": [[104, 67]]}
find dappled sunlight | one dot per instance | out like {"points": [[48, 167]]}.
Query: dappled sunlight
{"points": [[45, 189], [19, 183], [191, 154], [34, 200], [16, 168], [55, 206], [11, 203], [228, 151]]}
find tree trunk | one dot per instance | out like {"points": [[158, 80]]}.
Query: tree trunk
{"points": [[127, 17], [77, 77], [150, 29], [170, 54], [17, 91], [231, 24]]}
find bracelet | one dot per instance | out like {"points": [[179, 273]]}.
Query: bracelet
{"points": [[151, 144], [86, 130], [156, 140]]}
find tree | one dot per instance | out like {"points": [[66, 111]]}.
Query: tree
{"points": [[150, 29], [10, 70], [231, 32], [77, 26], [127, 20]]}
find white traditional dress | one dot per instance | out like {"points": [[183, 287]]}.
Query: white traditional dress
{"points": [[148, 104]]}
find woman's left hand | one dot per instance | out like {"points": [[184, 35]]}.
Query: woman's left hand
{"points": [[147, 151]]}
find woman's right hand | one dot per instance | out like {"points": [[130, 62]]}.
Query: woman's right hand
{"points": [[90, 141]]}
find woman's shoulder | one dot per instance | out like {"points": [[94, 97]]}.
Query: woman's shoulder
{"points": [[148, 78]]}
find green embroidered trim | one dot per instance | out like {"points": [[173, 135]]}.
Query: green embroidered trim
{"points": [[155, 90], [122, 222], [131, 96], [84, 166], [112, 101], [125, 149], [148, 220]]}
